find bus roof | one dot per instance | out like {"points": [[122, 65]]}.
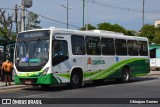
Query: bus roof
{"points": [[96, 33]]}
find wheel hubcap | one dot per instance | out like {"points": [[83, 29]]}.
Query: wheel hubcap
{"points": [[75, 79], [126, 76]]}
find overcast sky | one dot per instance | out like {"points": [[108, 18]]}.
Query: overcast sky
{"points": [[127, 13]]}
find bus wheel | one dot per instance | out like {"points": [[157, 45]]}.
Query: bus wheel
{"points": [[125, 75], [76, 80]]}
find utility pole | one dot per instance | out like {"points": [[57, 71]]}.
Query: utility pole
{"points": [[67, 14], [23, 17], [143, 14], [67, 7], [24, 4], [16, 18], [83, 12], [86, 14]]}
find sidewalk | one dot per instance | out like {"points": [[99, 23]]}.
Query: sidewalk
{"points": [[13, 85], [154, 73], [3, 86]]}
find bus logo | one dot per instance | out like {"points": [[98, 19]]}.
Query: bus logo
{"points": [[95, 62], [89, 61]]}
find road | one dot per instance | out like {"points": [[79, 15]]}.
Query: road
{"points": [[141, 87]]}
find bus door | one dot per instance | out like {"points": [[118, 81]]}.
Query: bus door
{"points": [[59, 53]]}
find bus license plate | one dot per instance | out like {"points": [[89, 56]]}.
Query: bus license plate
{"points": [[28, 82]]}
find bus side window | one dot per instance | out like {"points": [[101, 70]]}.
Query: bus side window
{"points": [[78, 47], [107, 46], [121, 47], [59, 51], [93, 45], [143, 48], [132, 48]]}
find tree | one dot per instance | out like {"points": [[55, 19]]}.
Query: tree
{"points": [[118, 28], [110, 27], [148, 31], [90, 27], [104, 26], [131, 32], [6, 24], [156, 39], [32, 21]]}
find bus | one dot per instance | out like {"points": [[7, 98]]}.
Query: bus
{"points": [[54, 56]]}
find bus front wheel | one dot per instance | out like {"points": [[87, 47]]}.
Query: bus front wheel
{"points": [[76, 80]]}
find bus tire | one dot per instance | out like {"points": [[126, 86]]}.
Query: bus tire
{"points": [[125, 75], [75, 80]]}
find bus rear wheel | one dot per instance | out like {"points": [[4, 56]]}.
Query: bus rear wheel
{"points": [[125, 75], [76, 80]]}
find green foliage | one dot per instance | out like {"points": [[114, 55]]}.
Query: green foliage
{"points": [[105, 26], [148, 31], [90, 27], [110, 27], [156, 38], [151, 32], [32, 21], [118, 28], [130, 32], [6, 25]]}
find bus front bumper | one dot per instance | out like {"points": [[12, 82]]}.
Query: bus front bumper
{"points": [[47, 79]]}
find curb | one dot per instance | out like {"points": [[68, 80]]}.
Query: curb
{"points": [[154, 73]]}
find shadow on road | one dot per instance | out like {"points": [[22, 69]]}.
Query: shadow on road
{"points": [[89, 84]]}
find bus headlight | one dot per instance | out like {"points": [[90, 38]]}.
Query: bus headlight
{"points": [[44, 71]]}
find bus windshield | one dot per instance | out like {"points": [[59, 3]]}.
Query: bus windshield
{"points": [[32, 51]]}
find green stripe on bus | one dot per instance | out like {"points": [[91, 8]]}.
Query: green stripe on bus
{"points": [[115, 69]]}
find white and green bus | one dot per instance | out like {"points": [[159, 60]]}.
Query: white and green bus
{"points": [[54, 56]]}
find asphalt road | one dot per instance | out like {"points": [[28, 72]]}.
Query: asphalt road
{"points": [[144, 87]]}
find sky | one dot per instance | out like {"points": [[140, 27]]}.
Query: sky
{"points": [[127, 13]]}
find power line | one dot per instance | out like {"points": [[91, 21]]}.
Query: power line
{"points": [[7, 8], [46, 18], [55, 20], [119, 7]]}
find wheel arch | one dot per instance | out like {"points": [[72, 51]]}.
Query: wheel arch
{"points": [[126, 66], [77, 69]]}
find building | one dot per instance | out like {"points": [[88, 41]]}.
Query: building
{"points": [[154, 56], [157, 23]]}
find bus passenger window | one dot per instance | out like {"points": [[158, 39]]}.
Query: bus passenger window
{"points": [[78, 47], [143, 48], [107, 46], [121, 48], [93, 45], [132, 47], [59, 51]]}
